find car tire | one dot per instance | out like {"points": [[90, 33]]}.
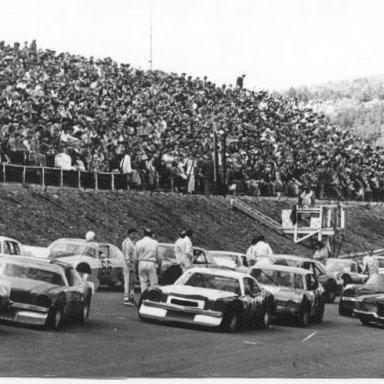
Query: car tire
{"points": [[347, 279], [344, 311], [331, 291], [304, 317], [231, 320], [85, 312], [55, 317], [318, 317], [264, 320], [364, 320]]}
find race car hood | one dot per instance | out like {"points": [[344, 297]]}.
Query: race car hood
{"points": [[284, 293], [367, 290], [187, 290], [28, 286]]}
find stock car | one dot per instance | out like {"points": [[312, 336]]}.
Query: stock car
{"points": [[209, 297], [370, 309], [353, 294], [349, 270], [171, 270], [5, 293], [331, 282], [43, 292], [233, 260], [102, 261], [297, 293]]}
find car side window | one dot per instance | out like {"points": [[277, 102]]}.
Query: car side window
{"points": [[245, 261], [114, 252], [16, 248], [353, 268], [319, 271], [250, 287], [103, 252], [7, 251], [199, 257], [312, 283], [306, 265]]}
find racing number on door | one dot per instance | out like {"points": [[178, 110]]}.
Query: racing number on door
{"points": [[106, 267]]}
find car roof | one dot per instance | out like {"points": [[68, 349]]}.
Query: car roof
{"points": [[173, 245], [220, 272], [288, 257], [28, 260], [274, 267], [81, 241], [229, 253], [8, 239]]}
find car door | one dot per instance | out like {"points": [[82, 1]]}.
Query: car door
{"points": [[105, 264], [75, 293], [116, 258], [252, 299], [313, 291]]}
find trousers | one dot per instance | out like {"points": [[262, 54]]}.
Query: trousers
{"points": [[147, 275]]}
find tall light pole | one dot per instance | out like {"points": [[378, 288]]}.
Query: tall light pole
{"points": [[150, 38]]}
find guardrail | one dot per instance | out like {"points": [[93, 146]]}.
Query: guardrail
{"points": [[57, 177]]}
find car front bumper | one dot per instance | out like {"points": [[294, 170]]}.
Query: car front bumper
{"points": [[174, 313], [371, 316], [25, 314]]}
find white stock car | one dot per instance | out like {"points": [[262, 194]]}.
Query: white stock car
{"points": [[102, 261]]}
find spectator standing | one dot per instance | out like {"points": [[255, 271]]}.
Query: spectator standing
{"points": [[261, 248], [63, 160], [321, 252], [148, 259], [249, 254], [370, 264], [184, 249], [129, 252]]}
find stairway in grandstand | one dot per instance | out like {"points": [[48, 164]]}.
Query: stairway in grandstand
{"points": [[257, 215]]}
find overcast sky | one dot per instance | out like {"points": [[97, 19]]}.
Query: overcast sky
{"points": [[276, 43]]}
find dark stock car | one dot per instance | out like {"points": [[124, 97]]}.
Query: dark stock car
{"points": [[297, 293], [43, 292], [210, 297], [353, 294]]}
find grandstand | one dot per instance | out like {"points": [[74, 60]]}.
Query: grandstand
{"points": [[95, 110]]}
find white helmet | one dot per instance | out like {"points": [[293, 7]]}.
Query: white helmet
{"points": [[90, 236]]}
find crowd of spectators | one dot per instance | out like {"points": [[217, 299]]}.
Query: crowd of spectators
{"points": [[59, 109]]}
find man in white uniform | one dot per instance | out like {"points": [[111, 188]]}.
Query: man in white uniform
{"points": [[370, 264], [261, 248], [129, 251]]}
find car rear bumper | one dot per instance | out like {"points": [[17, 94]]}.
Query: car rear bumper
{"points": [[174, 313], [25, 314]]}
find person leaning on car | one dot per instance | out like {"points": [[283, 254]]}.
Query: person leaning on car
{"points": [[370, 264], [147, 258], [129, 250]]}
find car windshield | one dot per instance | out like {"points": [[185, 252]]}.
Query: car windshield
{"points": [[335, 265], [31, 273], [279, 278], [72, 247], [205, 280], [166, 252], [224, 259], [376, 279]]}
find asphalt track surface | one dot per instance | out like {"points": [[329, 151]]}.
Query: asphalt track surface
{"points": [[116, 344]]}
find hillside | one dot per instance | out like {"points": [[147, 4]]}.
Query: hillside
{"points": [[37, 217], [356, 105]]}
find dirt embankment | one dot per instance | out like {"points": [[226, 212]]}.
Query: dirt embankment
{"points": [[38, 217]]}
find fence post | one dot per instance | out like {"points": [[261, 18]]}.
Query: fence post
{"points": [[96, 177], [23, 175], [79, 179], [43, 177], [4, 180], [112, 181], [61, 177]]}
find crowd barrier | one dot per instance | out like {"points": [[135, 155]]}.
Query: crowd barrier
{"points": [[57, 177]]}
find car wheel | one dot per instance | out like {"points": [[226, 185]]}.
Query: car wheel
{"points": [[303, 319], [85, 311], [231, 321], [331, 291], [55, 317], [318, 318], [364, 320], [347, 279], [343, 311], [264, 321]]}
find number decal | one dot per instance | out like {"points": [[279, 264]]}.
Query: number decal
{"points": [[106, 267]]}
